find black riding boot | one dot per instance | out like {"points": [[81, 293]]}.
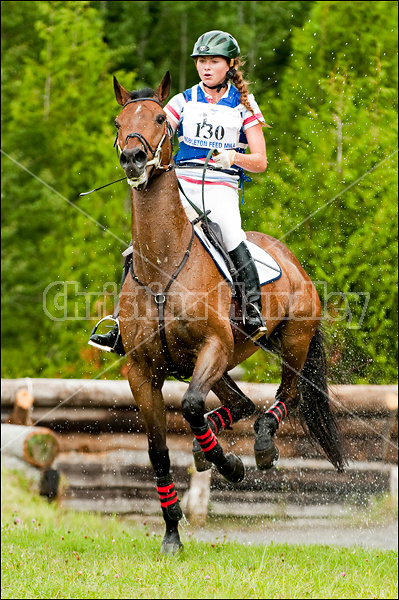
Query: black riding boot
{"points": [[249, 284], [111, 341]]}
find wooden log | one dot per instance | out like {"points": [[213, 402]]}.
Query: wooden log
{"points": [[125, 481], [106, 442], [22, 409], [362, 399], [196, 499], [88, 392], [38, 446], [367, 417], [103, 420], [71, 392], [89, 420], [358, 449], [346, 399]]}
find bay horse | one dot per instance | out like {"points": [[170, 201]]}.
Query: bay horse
{"points": [[175, 320]]}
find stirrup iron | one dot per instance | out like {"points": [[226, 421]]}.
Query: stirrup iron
{"points": [[258, 333], [99, 346], [262, 330]]}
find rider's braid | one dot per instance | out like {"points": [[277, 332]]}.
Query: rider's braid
{"points": [[241, 84]]}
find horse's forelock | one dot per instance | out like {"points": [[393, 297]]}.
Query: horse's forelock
{"points": [[144, 93]]}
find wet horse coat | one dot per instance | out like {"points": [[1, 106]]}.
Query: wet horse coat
{"points": [[200, 338]]}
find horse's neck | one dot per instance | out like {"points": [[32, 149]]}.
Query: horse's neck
{"points": [[161, 230]]}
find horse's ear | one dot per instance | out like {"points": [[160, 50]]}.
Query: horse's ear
{"points": [[163, 90], [122, 95]]}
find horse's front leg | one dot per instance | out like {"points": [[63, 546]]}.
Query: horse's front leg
{"points": [[235, 406], [149, 400], [210, 366]]}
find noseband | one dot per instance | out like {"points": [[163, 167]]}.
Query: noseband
{"points": [[155, 162]]}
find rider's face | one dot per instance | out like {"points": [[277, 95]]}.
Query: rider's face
{"points": [[212, 69]]}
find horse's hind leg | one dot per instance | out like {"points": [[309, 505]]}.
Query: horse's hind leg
{"points": [[295, 337], [235, 406], [150, 402], [234, 401]]}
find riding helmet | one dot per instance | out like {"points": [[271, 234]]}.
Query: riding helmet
{"points": [[216, 43]]}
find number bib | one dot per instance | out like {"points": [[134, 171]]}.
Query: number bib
{"points": [[210, 125]]}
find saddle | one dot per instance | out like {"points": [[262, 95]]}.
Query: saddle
{"points": [[213, 233], [211, 238]]}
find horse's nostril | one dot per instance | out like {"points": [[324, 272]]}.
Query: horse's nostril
{"points": [[140, 158]]}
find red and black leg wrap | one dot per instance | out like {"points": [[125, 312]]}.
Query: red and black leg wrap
{"points": [[168, 498], [209, 444], [278, 410], [220, 419], [206, 439]]}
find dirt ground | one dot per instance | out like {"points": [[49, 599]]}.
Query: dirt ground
{"points": [[339, 532], [308, 532]]}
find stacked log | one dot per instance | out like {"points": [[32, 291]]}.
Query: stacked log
{"points": [[33, 448], [103, 451], [93, 416]]}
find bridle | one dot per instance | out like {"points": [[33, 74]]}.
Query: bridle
{"points": [[155, 162]]}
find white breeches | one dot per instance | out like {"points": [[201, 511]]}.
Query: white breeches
{"points": [[221, 198]]}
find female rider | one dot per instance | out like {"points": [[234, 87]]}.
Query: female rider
{"points": [[217, 113]]}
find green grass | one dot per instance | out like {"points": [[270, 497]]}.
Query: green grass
{"points": [[48, 552]]}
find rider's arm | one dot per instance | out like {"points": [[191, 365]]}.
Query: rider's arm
{"points": [[256, 161]]}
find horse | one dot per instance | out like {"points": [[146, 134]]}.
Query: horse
{"points": [[175, 320]]}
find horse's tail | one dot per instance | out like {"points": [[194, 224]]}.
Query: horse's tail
{"points": [[314, 403]]}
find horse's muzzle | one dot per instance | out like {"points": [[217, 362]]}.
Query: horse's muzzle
{"points": [[133, 162]]}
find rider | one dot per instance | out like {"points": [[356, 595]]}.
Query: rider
{"points": [[217, 113]]}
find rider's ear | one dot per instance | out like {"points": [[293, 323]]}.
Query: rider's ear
{"points": [[122, 95], [164, 88]]}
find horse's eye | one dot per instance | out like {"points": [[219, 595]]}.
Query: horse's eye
{"points": [[161, 119], [117, 125]]}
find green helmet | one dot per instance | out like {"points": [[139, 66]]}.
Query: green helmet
{"points": [[216, 43]]}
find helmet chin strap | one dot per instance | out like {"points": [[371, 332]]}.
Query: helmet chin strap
{"points": [[229, 75]]}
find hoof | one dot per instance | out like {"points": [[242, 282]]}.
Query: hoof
{"points": [[171, 544], [173, 512], [200, 462], [233, 470], [266, 454], [171, 549]]}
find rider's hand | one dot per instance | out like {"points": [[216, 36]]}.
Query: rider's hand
{"points": [[224, 159]]}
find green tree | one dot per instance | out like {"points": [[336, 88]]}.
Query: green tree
{"points": [[325, 75], [152, 37], [331, 189], [57, 142]]}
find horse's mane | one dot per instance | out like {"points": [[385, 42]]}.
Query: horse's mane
{"points": [[144, 93]]}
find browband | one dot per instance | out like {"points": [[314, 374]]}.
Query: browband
{"points": [[142, 99]]}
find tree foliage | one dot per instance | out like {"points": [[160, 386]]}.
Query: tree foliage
{"points": [[325, 76], [330, 194]]}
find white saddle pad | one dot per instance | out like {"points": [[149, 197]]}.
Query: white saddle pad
{"points": [[269, 270]]}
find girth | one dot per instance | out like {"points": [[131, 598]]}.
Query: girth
{"points": [[160, 301]]}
